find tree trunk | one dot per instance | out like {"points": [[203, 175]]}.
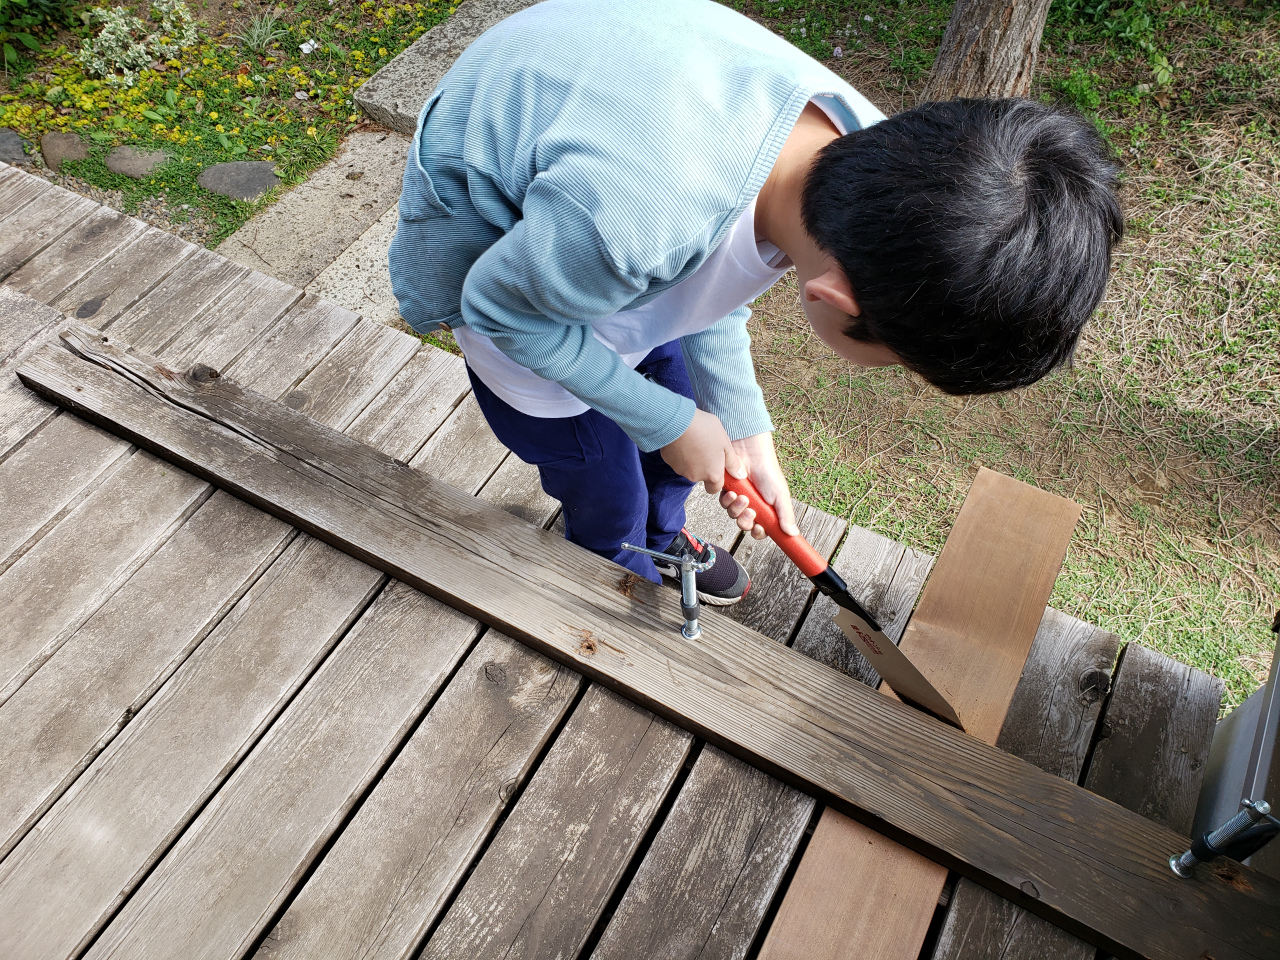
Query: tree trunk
{"points": [[989, 49]]}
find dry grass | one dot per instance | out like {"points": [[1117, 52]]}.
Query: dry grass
{"points": [[1168, 428]]}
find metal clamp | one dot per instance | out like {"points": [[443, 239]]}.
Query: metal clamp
{"points": [[689, 570], [1218, 842]]}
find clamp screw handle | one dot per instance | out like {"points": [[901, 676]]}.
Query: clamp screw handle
{"points": [[689, 570], [1213, 842]]}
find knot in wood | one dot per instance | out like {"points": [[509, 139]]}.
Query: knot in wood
{"points": [[494, 673], [1029, 889], [203, 373], [506, 791], [1093, 684], [89, 308]]}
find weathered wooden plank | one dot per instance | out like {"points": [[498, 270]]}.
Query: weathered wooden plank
{"points": [[306, 333], [194, 578], [47, 476], [1091, 864], [515, 486], [69, 258], [69, 573], [713, 869], [353, 373], [384, 882], [1054, 712], [230, 325], [971, 635], [464, 452], [60, 720], [24, 326], [187, 292], [37, 224], [588, 805], [431, 385], [983, 926], [135, 799], [886, 577], [1160, 719], [706, 882], [213, 892], [111, 288], [19, 189]]}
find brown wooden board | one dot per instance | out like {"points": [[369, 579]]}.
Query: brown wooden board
{"points": [[1087, 863], [970, 635], [156, 774]]}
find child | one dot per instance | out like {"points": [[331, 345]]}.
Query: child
{"points": [[597, 188]]}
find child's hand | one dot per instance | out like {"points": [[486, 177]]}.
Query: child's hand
{"points": [[703, 453], [760, 459]]}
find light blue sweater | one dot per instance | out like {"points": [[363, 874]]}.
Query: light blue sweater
{"points": [[580, 158]]}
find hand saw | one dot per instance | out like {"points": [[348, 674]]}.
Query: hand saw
{"points": [[858, 625]]}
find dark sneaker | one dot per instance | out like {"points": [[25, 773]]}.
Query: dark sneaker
{"points": [[725, 583]]}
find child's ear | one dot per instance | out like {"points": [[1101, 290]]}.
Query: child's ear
{"points": [[833, 288]]}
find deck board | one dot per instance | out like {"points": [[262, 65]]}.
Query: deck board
{"points": [[36, 224], [253, 662], [72, 256]]}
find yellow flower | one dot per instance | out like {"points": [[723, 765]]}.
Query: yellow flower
{"points": [[311, 131], [213, 114], [220, 129], [382, 51]]}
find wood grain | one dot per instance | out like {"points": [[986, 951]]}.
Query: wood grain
{"points": [[25, 326], [210, 896], [79, 700], [115, 285], [1154, 753], [464, 452], [69, 258], [886, 577], [970, 635], [252, 663], [1159, 720], [544, 880], [37, 224], [388, 876], [996, 818]]}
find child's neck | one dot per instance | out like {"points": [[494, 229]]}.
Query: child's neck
{"points": [[778, 218]]}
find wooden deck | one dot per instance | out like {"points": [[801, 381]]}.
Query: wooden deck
{"points": [[223, 738]]}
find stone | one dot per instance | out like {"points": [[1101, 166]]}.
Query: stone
{"points": [[239, 179], [133, 162], [360, 279], [395, 94], [310, 226], [57, 148], [13, 148]]}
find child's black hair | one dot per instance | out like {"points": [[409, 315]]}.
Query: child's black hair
{"points": [[977, 235]]}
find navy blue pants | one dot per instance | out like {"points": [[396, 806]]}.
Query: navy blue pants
{"points": [[611, 492]]}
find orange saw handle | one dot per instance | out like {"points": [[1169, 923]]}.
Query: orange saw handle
{"points": [[801, 552]]}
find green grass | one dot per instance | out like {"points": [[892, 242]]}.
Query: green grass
{"points": [[1167, 430], [233, 96]]}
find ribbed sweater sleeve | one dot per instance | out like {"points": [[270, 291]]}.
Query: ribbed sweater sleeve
{"points": [[724, 380], [535, 292]]}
